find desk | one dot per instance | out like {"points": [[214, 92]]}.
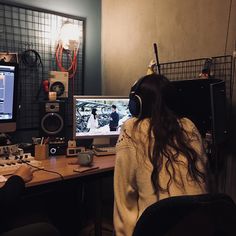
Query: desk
{"points": [[60, 165], [43, 180]]}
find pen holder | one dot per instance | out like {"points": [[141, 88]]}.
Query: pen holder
{"points": [[41, 151]]}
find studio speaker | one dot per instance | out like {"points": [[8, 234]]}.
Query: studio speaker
{"points": [[58, 82], [52, 118], [204, 102]]}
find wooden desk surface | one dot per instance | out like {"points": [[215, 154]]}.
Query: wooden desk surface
{"points": [[60, 165]]}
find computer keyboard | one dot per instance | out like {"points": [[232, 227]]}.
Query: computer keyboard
{"points": [[104, 150], [12, 163]]}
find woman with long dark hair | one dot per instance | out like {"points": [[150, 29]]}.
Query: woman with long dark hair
{"points": [[158, 154]]}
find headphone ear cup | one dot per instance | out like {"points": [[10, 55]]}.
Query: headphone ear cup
{"points": [[135, 101], [135, 105]]}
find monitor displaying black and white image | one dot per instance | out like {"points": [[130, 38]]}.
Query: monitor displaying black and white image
{"points": [[99, 116]]}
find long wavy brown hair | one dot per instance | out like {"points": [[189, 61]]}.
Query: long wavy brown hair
{"points": [[170, 138]]}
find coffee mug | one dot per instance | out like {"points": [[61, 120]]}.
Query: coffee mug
{"points": [[85, 158]]}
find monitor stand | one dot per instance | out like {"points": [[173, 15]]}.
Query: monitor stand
{"points": [[103, 146], [98, 141], [105, 141]]}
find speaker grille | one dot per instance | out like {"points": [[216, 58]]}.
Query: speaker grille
{"points": [[52, 120], [52, 123]]}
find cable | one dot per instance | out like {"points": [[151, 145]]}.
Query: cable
{"points": [[233, 69], [232, 83], [38, 168], [227, 32], [72, 55], [29, 60], [32, 59]]}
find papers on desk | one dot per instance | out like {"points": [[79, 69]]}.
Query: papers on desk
{"points": [[82, 169]]}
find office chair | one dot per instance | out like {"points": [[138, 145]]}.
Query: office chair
{"points": [[205, 215], [36, 229]]}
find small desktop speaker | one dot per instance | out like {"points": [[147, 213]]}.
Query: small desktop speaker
{"points": [[58, 82], [57, 146], [52, 118]]}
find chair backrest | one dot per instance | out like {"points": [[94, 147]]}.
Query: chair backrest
{"points": [[198, 215]]}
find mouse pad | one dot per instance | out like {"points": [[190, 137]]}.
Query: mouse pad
{"points": [[82, 169]]}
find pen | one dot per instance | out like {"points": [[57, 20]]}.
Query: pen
{"points": [[42, 141], [46, 140]]}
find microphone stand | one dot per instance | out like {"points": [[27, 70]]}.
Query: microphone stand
{"points": [[157, 59]]}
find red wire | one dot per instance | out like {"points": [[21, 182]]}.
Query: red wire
{"points": [[72, 57]]}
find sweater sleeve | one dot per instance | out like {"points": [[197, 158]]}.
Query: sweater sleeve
{"points": [[125, 194], [10, 195], [11, 190]]}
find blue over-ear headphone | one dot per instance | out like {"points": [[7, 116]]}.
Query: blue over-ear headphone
{"points": [[135, 101]]}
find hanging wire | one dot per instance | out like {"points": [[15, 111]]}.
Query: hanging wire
{"points": [[71, 55], [228, 23], [233, 69], [32, 59]]}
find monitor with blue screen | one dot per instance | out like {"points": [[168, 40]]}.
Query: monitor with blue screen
{"points": [[83, 109], [8, 96]]}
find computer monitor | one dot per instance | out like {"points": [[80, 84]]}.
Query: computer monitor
{"points": [[8, 96], [101, 106]]}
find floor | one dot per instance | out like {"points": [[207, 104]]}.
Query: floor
{"points": [[107, 230]]}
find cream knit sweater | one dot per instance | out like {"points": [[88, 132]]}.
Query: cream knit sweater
{"points": [[133, 190]]}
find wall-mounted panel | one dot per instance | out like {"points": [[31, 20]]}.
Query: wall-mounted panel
{"points": [[33, 34]]}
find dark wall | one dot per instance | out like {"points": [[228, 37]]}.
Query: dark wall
{"points": [[91, 10]]}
